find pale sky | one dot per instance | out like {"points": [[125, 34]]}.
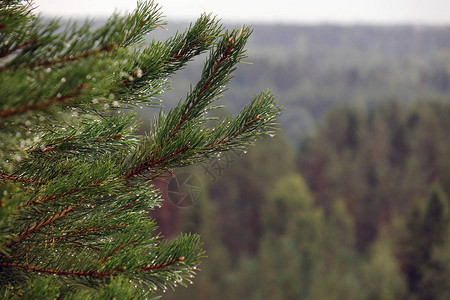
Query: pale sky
{"points": [[435, 12]]}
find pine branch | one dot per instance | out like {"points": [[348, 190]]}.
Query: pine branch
{"points": [[74, 43], [42, 224], [152, 163], [19, 179], [206, 85], [9, 51], [93, 230], [104, 258], [92, 274], [60, 61], [40, 105], [79, 179], [163, 265], [41, 200]]}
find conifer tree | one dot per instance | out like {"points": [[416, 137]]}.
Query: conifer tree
{"points": [[75, 182], [425, 240], [291, 241]]}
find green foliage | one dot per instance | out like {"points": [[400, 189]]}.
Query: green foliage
{"points": [[423, 248], [339, 263], [295, 251], [288, 200], [382, 277], [75, 179], [238, 192], [276, 239], [378, 161]]}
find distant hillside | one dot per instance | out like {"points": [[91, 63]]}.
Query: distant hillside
{"points": [[315, 68]]}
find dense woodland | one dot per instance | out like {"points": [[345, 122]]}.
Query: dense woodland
{"points": [[350, 199]]}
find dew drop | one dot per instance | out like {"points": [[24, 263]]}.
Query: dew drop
{"points": [[63, 80], [139, 73]]}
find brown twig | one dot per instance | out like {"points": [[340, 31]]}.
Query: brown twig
{"points": [[231, 138], [41, 105], [149, 163], [48, 198], [35, 228], [86, 246], [105, 258], [93, 229], [163, 265], [86, 231], [51, 147], [72, 58], [62, 60], [18, 47], [92, 274], [13, 178]]}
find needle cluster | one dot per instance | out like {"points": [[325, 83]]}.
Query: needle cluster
{"points": [[75, 179]]}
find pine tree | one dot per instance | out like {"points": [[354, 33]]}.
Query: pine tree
{"points": [[75, 179], [291, 241], [421, 249]]}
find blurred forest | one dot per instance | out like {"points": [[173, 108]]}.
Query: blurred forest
{"points": [[350, 199]]}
